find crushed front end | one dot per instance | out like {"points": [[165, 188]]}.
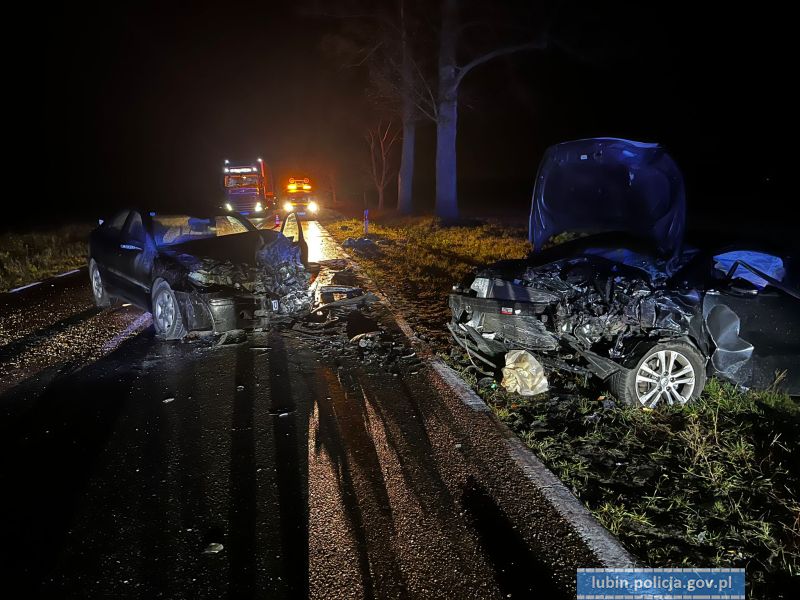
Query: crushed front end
{"points": [[222, 295], [585, 314]]}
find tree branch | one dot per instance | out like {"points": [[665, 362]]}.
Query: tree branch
{"points": [[462, 71]]}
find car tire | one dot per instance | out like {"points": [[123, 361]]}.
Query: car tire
{"points": [[101, 297], [167, 317], [667, 373]]}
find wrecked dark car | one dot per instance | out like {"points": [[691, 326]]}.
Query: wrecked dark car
{"points": [[630, 304], [211, 273]]}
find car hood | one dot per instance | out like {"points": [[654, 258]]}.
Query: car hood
{"points": [[239, 248], [608, 184]]}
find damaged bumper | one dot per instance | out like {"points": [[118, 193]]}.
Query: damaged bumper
{"points": [[490, 349], [577, 315], [218, 312]]}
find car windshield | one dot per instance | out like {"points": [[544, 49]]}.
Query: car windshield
{"points": [[233, 181], [176, 229]]}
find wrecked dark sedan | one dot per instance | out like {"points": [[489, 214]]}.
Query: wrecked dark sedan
{"points": [[630, 304], [198, 273]]}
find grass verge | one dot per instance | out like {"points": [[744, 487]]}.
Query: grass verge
{"points": [[419, 261], [712, 484], [29, 257]]}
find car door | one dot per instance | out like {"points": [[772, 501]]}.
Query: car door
{"points": [[105, 250], [135, 258], [292, 228], [769, 319]]}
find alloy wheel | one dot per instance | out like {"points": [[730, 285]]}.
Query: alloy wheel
{"points": [[165, 311], [97, 283], [665, 375]]}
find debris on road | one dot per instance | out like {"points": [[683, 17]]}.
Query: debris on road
{"points": [[213, 548], [235, 336], [347, 323], [167, 400]]}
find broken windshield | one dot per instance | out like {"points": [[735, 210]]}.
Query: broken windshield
{"points": [[176, 229]]}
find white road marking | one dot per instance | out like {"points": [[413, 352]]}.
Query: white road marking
{"points": [[24, 287], [67, 273]]}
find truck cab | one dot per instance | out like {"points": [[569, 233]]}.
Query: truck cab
{"points": [[247, 188]]}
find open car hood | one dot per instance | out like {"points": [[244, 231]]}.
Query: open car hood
{"points": [[607, 184]]}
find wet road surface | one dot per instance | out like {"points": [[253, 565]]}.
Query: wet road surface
{"points": [[272, 468]]}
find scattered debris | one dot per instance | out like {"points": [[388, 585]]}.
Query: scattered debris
{"points": [[362, 245], [366, 340], [239, 388], [345, 277], [235, 336], [334, 293], [213, 548], [167, 400]]}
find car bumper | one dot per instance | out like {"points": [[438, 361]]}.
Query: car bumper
{"points": [[509, 325], [218, 313]]}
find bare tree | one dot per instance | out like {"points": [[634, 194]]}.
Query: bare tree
{"points": [[380, 140], [405, 177], [379, 37], [450, 76]]}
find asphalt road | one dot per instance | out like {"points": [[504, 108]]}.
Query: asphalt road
{"points": [[279, 467]]}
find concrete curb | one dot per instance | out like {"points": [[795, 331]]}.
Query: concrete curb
{"points": [[597, 538], [599, 541]]}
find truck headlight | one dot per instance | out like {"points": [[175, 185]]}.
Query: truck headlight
{"points": [[258, 206], [313, 206], [287, 206]]}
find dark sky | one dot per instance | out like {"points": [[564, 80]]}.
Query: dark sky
{"points": [[137, 103]]}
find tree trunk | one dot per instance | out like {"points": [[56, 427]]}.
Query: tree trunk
{"points": [[405, 178], [380, 198], [447, 115], [446, 186]]}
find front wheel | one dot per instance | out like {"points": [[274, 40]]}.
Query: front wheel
{"points": [[167, 317], [101, 297], [668, 373]]}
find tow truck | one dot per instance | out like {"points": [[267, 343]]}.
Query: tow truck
{"points": [[248, 190], [298, 197]]}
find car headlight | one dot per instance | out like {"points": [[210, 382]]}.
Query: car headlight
{"points": [[228, 207], [258, 206], [287, 206], [313, 206]]}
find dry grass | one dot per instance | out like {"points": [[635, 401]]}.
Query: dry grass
{"points": [[29, 257]]}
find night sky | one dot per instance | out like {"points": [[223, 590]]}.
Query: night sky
{"points": [[138, 103]]}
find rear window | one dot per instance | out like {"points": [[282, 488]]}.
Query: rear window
{"points": [[176, 229]]}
